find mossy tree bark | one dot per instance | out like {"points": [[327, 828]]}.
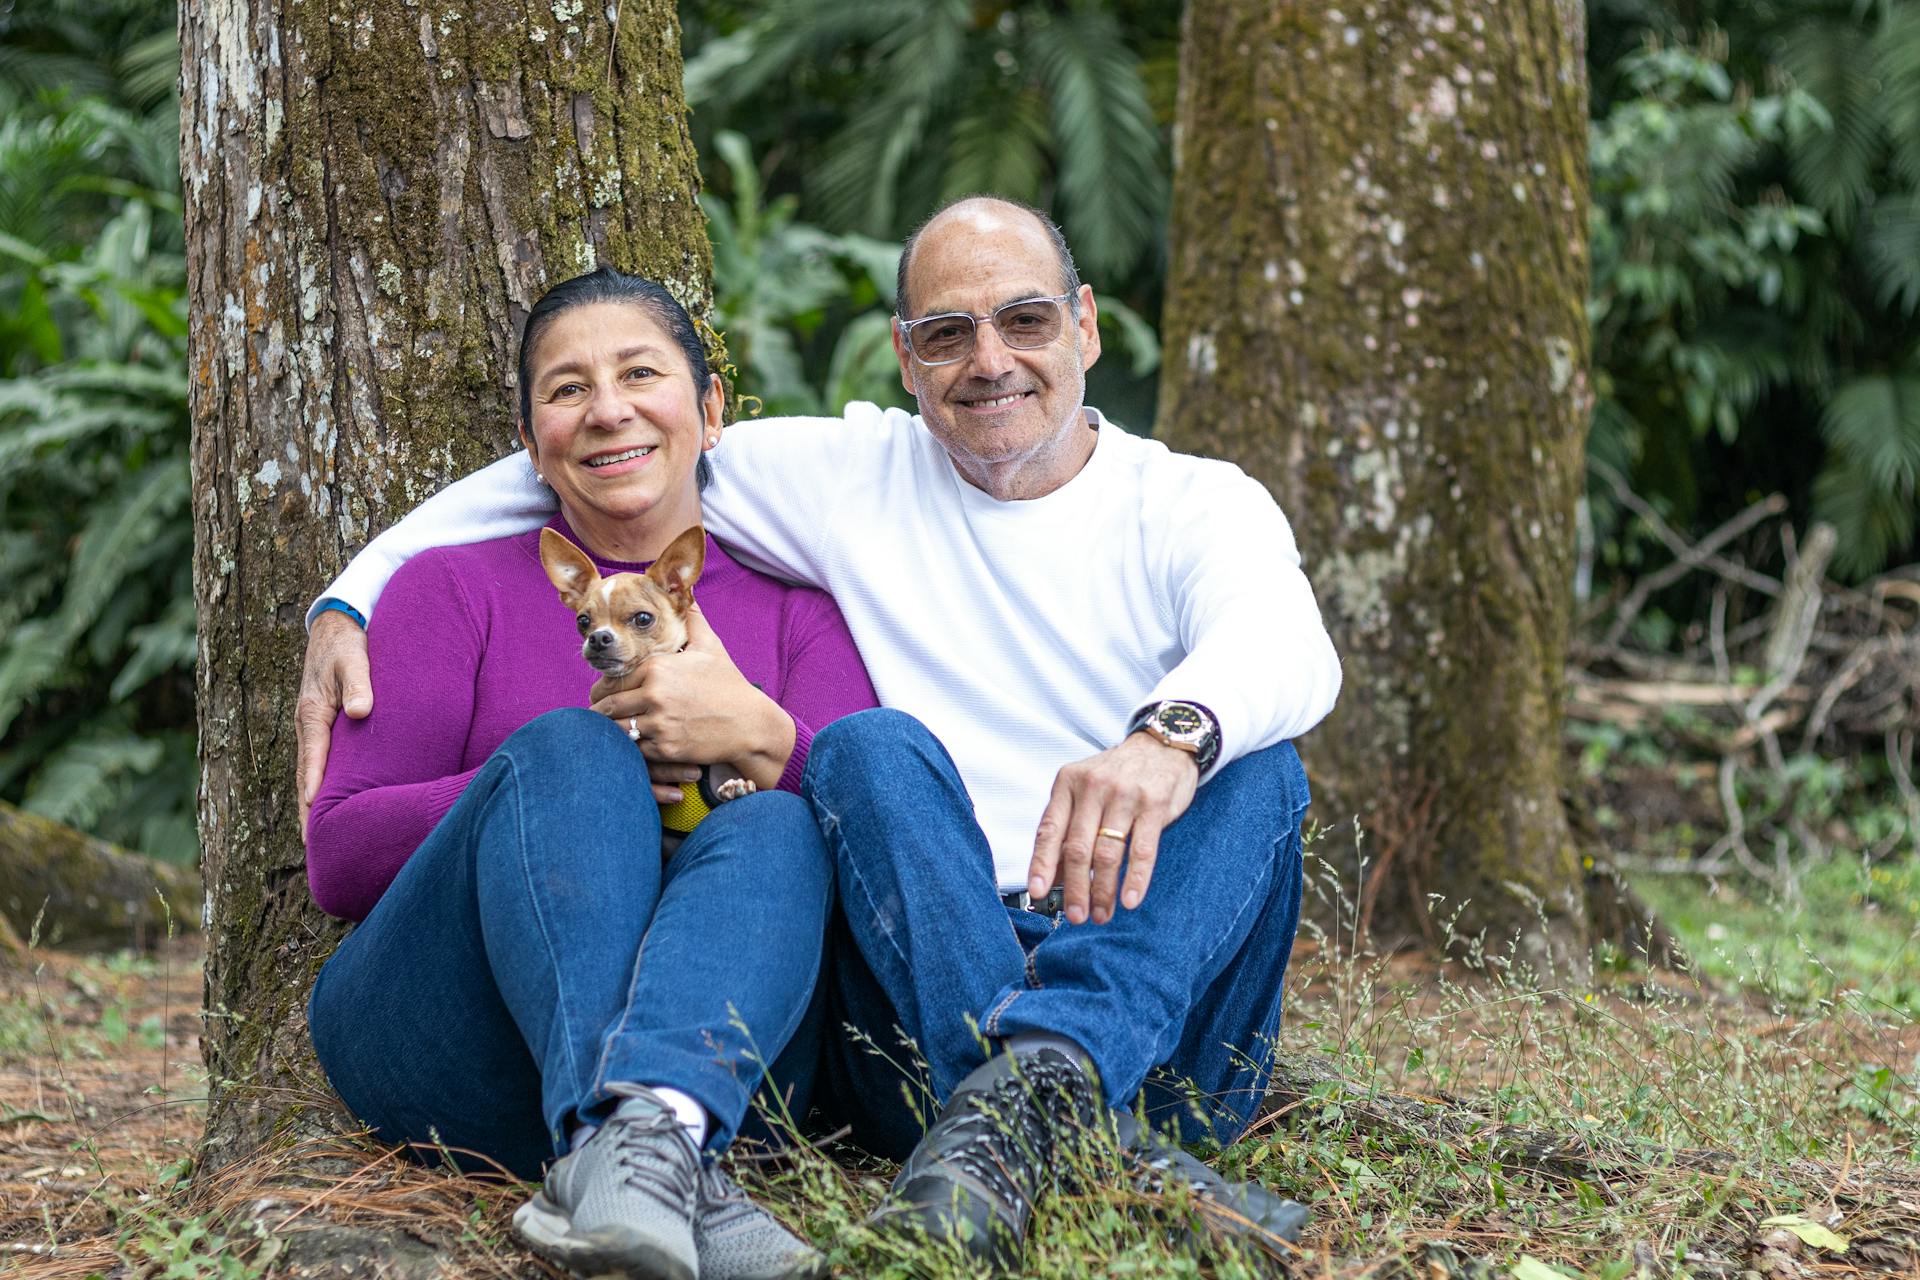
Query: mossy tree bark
{"points": [[1376, 307], [376, 192]]}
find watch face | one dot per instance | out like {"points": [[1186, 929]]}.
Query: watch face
{"points": [[1180, 721]]}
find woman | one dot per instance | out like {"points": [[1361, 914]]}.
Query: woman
{"points": [[528, 979]]}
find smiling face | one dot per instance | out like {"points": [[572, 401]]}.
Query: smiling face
{"points": [[618, 427], [1011, 420]]}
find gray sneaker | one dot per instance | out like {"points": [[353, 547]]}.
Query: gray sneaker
{"points": [[739, 1240], [623, 1204]]}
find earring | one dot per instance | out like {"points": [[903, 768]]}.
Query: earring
{"points": [[540, 478]]}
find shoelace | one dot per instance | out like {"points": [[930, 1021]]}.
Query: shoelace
{"points": [[1007, 1139], [1005, 1160], [670, 1182], [725, 1203]]}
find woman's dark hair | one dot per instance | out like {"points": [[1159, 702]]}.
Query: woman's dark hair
{"points": [[608, 285]]}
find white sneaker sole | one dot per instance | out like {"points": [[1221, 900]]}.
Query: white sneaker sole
{"points": [[543, 1227]]}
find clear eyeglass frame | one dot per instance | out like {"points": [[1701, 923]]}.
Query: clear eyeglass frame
{"points": [[1011, 336]]}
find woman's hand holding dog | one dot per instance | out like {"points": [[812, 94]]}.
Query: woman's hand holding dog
{"points": [[694, 708]]}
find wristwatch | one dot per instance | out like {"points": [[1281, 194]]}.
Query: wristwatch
{"points": [[1185, 726]]}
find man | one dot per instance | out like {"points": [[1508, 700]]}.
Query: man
{"points": [[1067, 847]]}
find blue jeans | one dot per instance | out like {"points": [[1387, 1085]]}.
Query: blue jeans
{"points": [[534, 950], [1177, 1001]]}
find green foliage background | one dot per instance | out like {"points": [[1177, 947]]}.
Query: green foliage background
{"points": [[1756, 230]]}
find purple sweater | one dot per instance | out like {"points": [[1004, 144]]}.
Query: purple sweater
{"points": [[472, 642]]}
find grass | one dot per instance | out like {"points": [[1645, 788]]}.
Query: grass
{"points": [[1444, 1124], [1850, 932]]}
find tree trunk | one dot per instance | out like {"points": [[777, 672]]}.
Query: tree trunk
{"points": [[376, 192], [1376, 306], [81, 892]]}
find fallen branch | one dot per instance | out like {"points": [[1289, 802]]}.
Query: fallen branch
{"points": [[1702, 554]]}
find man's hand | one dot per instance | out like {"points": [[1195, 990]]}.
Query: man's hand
{"points": [[333, 679], [1137, 788]]}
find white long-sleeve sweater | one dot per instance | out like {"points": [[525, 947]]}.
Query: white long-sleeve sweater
{"points": [[1023, 634]]}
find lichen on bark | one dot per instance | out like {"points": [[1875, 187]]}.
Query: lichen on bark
{"points": [[376, 192], [1375, 306]]}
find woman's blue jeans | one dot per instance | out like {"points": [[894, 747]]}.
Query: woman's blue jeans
{"points": [[534, 950], [1177, 1001]]}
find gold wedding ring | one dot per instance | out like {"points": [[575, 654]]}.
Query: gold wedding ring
{"points": [[1111, 834]]}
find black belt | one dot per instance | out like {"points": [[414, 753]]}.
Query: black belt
{"points": [[1050, 905]]}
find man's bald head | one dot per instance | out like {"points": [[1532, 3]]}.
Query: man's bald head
{"points": [[983, 212]]}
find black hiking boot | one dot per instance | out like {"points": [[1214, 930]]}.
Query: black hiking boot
{"points": [[972, 1181], [1244, 1213]]}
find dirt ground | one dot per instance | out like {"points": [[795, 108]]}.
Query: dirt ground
{"points": [[101, 1098], [101, 1088]]}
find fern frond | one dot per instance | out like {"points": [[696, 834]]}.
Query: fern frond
{"points": [[155, 810], [71, 424], [85, 774], [41, 163], [29, 661], [167, 645], [168, 384], [110, 544]]}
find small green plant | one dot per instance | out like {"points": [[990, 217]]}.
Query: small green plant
{"points": [[191, 1248]]}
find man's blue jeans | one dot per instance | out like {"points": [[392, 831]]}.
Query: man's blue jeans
{"points": [[534, 950], [1177, 1000]]}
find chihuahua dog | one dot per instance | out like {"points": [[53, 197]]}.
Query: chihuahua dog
{"points": [[626, 619]]}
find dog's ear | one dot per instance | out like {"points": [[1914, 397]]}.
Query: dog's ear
{"points": [[568, 568], [678, 567]]}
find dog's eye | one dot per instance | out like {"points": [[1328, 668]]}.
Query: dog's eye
{"points": [[584, 622], [643, 620]]}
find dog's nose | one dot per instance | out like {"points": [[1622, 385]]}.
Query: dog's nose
{"points": [[600, 639]]}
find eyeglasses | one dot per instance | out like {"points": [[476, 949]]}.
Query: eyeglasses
{"points": [[1023, 325]]}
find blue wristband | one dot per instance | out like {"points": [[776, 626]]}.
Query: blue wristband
{"points": [[343, 607]]}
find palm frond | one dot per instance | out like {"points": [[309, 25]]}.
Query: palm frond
{"points": [[854, 184], [734, 66], [1872, 522], [1896, 65], [1875, 422], [1890, 242], [1833, 61], [999, 144], [41, 164], [1110, 172], [149, 70]]}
